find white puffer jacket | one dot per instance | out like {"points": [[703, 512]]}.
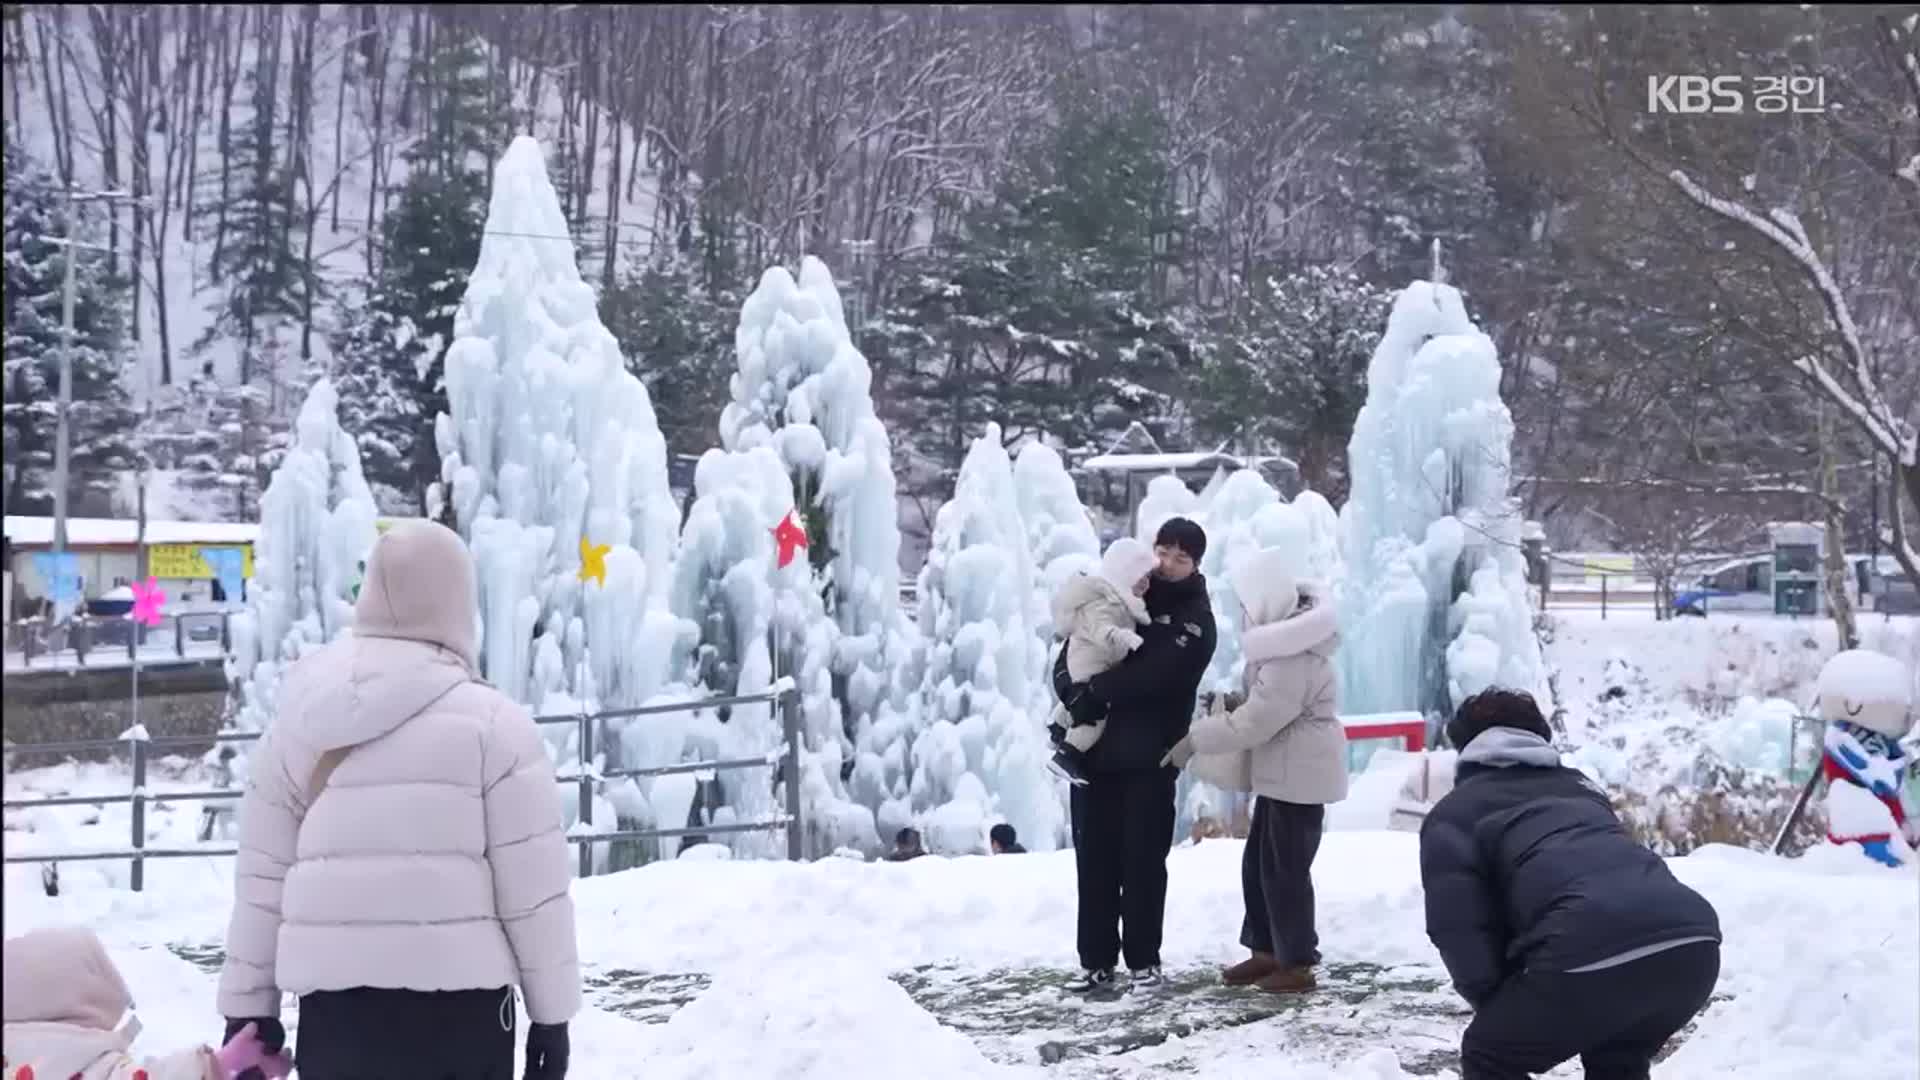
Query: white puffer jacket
{"points": [[432, 857]]}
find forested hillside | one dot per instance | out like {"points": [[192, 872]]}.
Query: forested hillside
{"points": [[1067, 218]]}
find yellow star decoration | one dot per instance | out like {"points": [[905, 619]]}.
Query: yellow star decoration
{"points": [[593, 561]]}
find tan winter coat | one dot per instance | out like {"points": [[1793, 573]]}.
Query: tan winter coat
{"points": [[432, 857], [1288, 726], [64, 1003]]}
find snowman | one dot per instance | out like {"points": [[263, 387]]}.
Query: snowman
{"points": [[1865, 699]]}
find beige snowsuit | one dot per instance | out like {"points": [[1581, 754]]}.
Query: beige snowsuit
{"points": [[1098, 614]]}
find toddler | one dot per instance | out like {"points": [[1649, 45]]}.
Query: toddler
{"points": [[63, 1007], [1099, 615]]}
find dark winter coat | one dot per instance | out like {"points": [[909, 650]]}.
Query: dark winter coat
{"points": [[1149, 696], [1526, 867]]}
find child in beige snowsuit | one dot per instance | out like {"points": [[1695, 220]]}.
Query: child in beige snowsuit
{"points": [[1099, 615], [63, 1005]]}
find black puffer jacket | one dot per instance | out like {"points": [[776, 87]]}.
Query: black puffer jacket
{"points": [[1525, 866], [1149, 696]]}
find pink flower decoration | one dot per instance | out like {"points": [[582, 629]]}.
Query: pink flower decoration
{"points": [[147, 599]]}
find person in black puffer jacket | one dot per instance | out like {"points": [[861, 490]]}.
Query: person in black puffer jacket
{"points": [[1565, 935], [1123, 816]]}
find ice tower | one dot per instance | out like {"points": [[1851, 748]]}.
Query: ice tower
{"points": [[1434, 606]]}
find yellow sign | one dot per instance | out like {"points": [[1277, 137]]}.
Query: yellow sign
{"points": [[183, 561]]}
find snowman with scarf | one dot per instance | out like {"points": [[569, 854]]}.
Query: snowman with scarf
{"points": [[1866, 700]]}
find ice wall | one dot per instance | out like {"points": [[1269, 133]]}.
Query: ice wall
{"points": [[316, 528], [981, 749]]}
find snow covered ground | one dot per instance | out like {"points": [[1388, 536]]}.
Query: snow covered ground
{"points": [[947, 969]]}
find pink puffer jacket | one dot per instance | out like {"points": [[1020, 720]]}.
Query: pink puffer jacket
{"points": [[432, 856], [67, 1013]]}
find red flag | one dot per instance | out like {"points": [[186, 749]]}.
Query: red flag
{"points": [[790, 535]]}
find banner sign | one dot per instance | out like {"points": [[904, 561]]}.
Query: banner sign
{"points": [[189, 562], [230, 566]]}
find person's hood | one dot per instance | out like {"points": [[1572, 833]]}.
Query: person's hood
{"points": [[61, 1050], [360, 688], [420, 587], [1081, 590], [1264, 584], [1505, 747], [62, 975], [1312, 628], [1126, 561]]}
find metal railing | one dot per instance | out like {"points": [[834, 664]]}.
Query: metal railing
{"points": [[112, 635], [141, 747]]}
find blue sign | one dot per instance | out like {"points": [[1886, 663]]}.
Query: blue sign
{"points": [[229, 568], [61, 571]]}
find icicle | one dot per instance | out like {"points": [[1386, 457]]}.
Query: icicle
{"points": [[1439, 274]]}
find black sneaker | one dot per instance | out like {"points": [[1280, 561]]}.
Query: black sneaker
{"points": [[1146, 978], [1092, 981], [1066, 765]]}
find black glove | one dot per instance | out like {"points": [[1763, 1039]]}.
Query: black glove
{"points": [[1085, 707], [272, 1035], [546, 1051]]}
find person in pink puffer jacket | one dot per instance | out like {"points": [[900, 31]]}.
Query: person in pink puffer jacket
{"points": [[67, 1014], [402, 863]]}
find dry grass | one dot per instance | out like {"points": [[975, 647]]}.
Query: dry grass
{"points": [[1730, 806]]}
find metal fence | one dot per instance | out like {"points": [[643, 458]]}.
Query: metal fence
{"points": [[141, 747], [109, 638]]}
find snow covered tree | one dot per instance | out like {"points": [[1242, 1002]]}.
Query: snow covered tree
{"points": [[101, 419], [981, 747], [1290, 371], [549, 443], [1435, 605], [678, 337], [391, 344], [757, 621], [1046, 312], [316, 528], [803, 389]]}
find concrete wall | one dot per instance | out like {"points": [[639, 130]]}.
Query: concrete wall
{"points": [[59, 706]]}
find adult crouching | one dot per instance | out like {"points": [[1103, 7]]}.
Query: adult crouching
{"points": [[1285, 744], [1565, 935], [402, 864]]}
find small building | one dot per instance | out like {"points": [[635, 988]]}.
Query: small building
{"points": [[108, 552], [1115, 484]]}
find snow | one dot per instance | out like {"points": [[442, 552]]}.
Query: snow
{"points": [[1861, 676], [809, 962], [355, 170], [116, 532], [1431, 464]]}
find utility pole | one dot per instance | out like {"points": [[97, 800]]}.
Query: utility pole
{"points": [[62, 446]]}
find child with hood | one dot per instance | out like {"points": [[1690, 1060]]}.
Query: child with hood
{"points": [[1098, 615], [63, 1006], [1283, 742]]}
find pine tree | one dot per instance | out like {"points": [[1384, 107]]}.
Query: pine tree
{"points": [[101, 419], [1291, 370], [677, 336], [392, 345], [1048, 302]]}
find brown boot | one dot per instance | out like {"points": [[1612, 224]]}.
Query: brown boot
{"points": [[1297, 980], [1251, 970]]}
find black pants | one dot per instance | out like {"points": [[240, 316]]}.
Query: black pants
{"points": [[1276, 880], [1122, 831], [1615, 1019], [367, 1034]]}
